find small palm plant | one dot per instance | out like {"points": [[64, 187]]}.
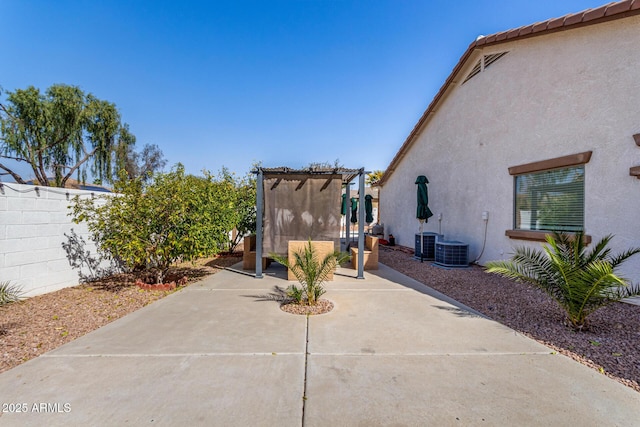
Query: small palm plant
{"points": [[9, 293], [310, 272], [580, 280]]}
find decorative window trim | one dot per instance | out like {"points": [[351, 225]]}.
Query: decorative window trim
{"points": [[539, 166], [556, 163], [537, 236]]}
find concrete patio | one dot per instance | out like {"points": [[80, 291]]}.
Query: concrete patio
{"points": [[392, 352]]}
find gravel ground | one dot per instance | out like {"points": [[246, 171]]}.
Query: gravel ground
{"points": [[611, 345], [323, 306], [42, 323]]}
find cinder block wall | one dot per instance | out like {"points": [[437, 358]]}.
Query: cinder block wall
{"points": [[32, 229]]}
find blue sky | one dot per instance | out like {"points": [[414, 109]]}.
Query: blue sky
{"points": [[285, 82]]}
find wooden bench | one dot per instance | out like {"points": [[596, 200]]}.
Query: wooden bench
{"points": [[249, 255], [370, 254]]}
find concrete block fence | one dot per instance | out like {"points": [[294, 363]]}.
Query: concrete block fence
{"points": [[33, 223]]}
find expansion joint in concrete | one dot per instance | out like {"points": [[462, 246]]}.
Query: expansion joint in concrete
{"points": [[306, 367]]}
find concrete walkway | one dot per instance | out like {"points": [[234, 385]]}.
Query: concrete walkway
{"points": [[392, 352]]}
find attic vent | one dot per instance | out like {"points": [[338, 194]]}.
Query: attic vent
{"points": [[483, 63]]}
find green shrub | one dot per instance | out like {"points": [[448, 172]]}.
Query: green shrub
{"points": [[580, 280], [244, 213], [9, 293], [176, 217]]}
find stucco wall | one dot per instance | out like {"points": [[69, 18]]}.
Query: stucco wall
{"points": [[550, 96], [32, 230]]}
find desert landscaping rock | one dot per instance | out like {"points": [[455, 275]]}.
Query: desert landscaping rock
{"points": [[323, 306]]}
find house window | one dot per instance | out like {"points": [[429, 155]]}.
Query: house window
{"points": [[549, 196], [550, 200]]}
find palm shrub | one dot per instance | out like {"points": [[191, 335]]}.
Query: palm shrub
{"points": [[311, 272], [9, 293], [578, 279]]}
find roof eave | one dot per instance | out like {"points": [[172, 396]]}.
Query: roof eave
{"points": [[608, 12]]}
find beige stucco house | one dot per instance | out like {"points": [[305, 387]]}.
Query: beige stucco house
{"points": [[539, 127]]}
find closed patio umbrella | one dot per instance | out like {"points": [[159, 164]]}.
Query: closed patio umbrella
{"points": [[423, 213], [368, 208], [343, 211], [354, 210]]}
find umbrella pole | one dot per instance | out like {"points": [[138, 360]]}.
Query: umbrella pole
{"points": [[421, 241]]}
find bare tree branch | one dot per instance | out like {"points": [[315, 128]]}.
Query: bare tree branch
{"points": [[77, 165], [19, 159], [15, 176]]}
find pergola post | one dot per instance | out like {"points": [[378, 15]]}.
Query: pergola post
{"points": [[361, 226], [259, 213]]}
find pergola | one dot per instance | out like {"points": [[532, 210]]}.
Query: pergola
{"points": [[311, 206]]}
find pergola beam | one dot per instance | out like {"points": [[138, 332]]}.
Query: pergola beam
{"points": [[326, 184], [302, 182], [275, 184]]}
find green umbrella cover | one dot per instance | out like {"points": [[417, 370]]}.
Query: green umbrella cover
{"points": [[423, 211], [354, 210], [368, 208], [343, 209]]}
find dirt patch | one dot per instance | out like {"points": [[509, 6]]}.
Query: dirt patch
{"points": [[42, 323]]}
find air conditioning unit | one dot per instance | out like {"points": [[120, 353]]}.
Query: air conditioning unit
{"points": [[428, 245], [451, 254]]}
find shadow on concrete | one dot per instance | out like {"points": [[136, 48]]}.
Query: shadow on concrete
{"points": [[459, 312], [278, 295]]}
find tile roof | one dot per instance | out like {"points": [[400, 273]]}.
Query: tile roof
{"points": [[607, 12], [588, 17]]}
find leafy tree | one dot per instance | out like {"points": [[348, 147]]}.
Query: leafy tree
{"points": [[245, 209], [581, 281], [176, 217], [60, 132], [373, 177], [311, 272], [145, 163]]}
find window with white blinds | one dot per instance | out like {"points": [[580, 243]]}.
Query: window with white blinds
{"points": [[550, 200]]}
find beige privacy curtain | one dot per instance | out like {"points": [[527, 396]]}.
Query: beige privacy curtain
{"points": [[299, 207]]}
